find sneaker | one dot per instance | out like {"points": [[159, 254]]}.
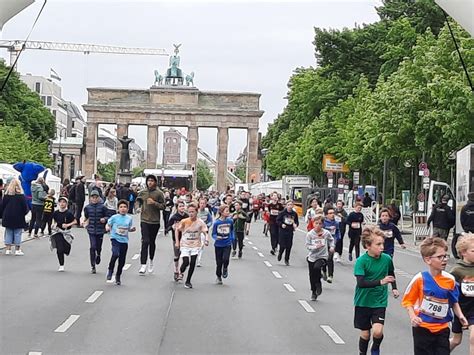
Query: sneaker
{"points": [[150, 267], [8, 252], [176, 274], [36, 236], [219, 280], [234, 253], [142, 270], [375, 352], [188, 285], [93, 271], [180, 277], [336, 257], [109, 275], [279, 257], [240, 254], [287, 262], [319, 289], [272, 251], [225, 273], [61, 268], [19, 253], [325, 275], [97, 260], [117, 280], [350, 257], [329, 280], [314, 296], [198, 264]]}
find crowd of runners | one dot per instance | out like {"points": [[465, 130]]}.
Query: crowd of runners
{"points": [[193, 219]]}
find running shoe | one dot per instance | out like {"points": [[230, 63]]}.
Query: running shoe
{"points": [[8, 252], [319, 289], [93, 271], [279, 257], [375, 352], [117, 280], [225, 273], [109, 275], [272, 251], [325, 275], [240, 254], [150, 266], [314, 296], [188, 285], [61, 268], [350, 257], [219, 280], [180, 277], [233, 253], [176, 275], [337, 258], [142, 270], [329, 280], [97, 259], [198, 264], [19, 253], [287, 262]]}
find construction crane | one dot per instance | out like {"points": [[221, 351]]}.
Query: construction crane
{"points": [[15, 46]]}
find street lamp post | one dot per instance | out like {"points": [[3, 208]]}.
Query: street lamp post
{"points": [[60, 157], [264, 152]]}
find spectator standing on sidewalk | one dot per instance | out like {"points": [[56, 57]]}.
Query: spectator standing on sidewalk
{"points": [[80, 190], [442, 217], [13, 216], [38, 195], [467, 214]]}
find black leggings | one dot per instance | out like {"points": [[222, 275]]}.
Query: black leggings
{"points": [[62, 247], [274, 235], [36, 218], [192, 265], [330, 264], [149, 233], [119, 251], [222, 259], [286, 242], [46, 220], [239, 238], [95, 247], [315, 272], [354, 242]]}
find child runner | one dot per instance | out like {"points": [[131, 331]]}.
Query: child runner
{"points": [[463, 272], [119, 225], [287, 220], [355, 220], [373, 270], [314, 210], [429, 298], [173, 223], [223, 235], [190, 243], [205, 215], [319, 242], [391, 232], [266, 222], [341, 217], [95, 219], [240, 217], [274, 208], [48, 209], [61, 240], [332, 226]]}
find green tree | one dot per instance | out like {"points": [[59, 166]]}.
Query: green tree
{"points": [[241, 172], [107, 171], [137, 171], [204, 175]]}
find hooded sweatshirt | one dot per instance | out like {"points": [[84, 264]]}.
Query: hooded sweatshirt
{"points": [[463, 272], [38, 194], [151, 212], [467, 217], [318, 244]]}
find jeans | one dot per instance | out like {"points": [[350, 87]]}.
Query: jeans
{"points": [[222, 259], [119, 251], [149, 233], [95, 246], [13, 236]]}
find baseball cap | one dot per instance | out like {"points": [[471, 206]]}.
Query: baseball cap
{"points": [[63, 198], [95, 193]]}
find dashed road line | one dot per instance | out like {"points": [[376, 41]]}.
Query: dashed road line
{"points": [[306, 306], [267, 263], [250, 243], [127, 266], [35, 353], [332, 334], [135, 257], [276, 274], [254, 248], [260, 255], [289, 288], [67, 323], [92, 298]]}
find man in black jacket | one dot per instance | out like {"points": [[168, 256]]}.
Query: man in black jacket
{"points": [[442, 217], [80, 197], [467, 214]]}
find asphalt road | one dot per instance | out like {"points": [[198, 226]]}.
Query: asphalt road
{"points": [[262, 308]]}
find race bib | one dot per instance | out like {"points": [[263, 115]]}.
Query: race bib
{"points": [[274, 212], [338, 219], [434, 307], [318, 243], [388, 234], [122, 230], [204, 218], [289, 221], [332, 230], [223, 229], [245, 205], [467, 288], [355, 225], [191, 235]]}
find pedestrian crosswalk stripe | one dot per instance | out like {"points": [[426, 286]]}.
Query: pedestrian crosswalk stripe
{"points": [[67, 323], [92, 298], [334, 336], [289, 288], [306, 306], [276, 274]]}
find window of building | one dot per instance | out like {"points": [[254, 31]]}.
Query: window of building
{"points": [[48, 100], [74, 135], [54, 113], [43, 100], [72, 123], [38, 87]]}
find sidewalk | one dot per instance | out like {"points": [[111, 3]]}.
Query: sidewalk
{"points": [[24, 237]]}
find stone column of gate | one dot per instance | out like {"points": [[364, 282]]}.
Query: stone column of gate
{"points": [[222, 142], [122, 130], [90, 164], [193, 138], [254, 165], [66, 167], [152, 147]]}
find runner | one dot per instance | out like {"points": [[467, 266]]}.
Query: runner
{"points": [[274, 208], [176, 236], [429, 298], [61, 239], [245, 204], [319, 242], [314, 210], [96, 217], [223, 235], [190, 244], [168, 210], [463, 272], [239, 217], [391, 231], [151, 201], [119, 225], [355, 220], [287, 221], [341, 217], [332, 226], [205, 215], [373, 270], [256, 207]]}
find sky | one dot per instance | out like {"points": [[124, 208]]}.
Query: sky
{"points": [[239, 45]]}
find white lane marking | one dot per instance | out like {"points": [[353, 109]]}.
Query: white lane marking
{"points": [[276, 274], [289, 288], [127, 266], [254, 248], [306, 306], [35, 353], [332, 334], [67, 323], [92, 298], [260, 255], [247, 238], [250, 243], [135, 257], [267, 263]]}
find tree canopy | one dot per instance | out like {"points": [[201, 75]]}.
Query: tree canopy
{"points": [[204, 175]]}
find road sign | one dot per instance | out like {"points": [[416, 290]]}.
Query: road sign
{"points": [[426, 186], [423, 166], [421, 196], [329, 174], [426, 180], [426, 172], [355, 177]]}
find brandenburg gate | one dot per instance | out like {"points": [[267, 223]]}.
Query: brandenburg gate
{"points": [[176, 104]]}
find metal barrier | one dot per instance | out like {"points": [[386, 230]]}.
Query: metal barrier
{"points": [[370, 213], [420, 229]]}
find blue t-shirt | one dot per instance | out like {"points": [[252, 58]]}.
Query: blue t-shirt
{"points": [[120, 225]]}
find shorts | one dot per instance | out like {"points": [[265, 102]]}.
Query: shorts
{"points": [[189, 251], [13, 236], [364, 317], [456, 326]]}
